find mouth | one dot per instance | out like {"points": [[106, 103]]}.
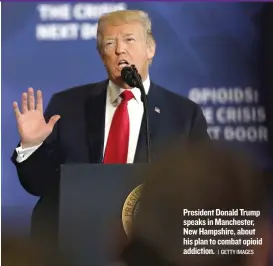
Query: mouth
{"points": [[122, 64]]}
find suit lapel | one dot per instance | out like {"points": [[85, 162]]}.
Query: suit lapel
{"points": [[154, 116], [95, 120]]}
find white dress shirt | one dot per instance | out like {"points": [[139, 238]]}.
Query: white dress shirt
{"points": [[135, 110]]}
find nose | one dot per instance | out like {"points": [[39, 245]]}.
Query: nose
{"points": [[120, 48]]}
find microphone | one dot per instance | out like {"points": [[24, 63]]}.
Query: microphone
{"points": [[131, 76], [128, 76]]}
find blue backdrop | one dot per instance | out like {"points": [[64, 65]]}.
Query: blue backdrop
{"points": [[206, 51]]}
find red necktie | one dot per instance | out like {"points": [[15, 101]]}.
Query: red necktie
{"points": [[116, 150]]}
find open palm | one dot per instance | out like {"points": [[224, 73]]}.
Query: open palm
{"points": [[32, 127]]}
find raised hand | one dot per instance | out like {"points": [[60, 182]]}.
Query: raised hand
{"points": [[31, 123]]}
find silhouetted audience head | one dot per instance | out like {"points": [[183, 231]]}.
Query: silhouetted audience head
{"points": [[17, 250], [195, 176]]}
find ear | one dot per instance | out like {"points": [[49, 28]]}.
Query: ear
{"points": [[102, 57], [101, 54], [150, 50]]}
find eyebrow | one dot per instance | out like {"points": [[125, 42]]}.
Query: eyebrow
{"points": [[128, 34], [112, 37]]}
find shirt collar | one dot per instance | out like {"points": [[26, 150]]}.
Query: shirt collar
{"points": [[115, 91]]}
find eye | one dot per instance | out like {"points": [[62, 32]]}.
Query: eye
{"points": [[108, 43], [130, 39]]}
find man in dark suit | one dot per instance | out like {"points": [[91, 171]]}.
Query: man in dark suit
{"points": [[100, 122], [95, 123]]}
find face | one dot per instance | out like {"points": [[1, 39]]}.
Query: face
{"points": [[123, 45]]}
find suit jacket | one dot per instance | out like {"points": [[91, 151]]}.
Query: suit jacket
{"points": [[78, 136]]}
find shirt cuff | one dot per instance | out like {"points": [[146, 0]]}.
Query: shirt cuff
{"points": [[23, 154]]}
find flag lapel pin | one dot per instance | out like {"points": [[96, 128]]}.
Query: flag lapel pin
{"points": [[157, 110]]}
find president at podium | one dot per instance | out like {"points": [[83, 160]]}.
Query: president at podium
{"points": [[104, 122], [123, 120]]}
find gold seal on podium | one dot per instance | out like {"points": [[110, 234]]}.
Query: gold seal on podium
{"points": [[129, 209]]}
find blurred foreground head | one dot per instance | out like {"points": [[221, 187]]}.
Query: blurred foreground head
{"points": [[197, 176], [17, 250]]}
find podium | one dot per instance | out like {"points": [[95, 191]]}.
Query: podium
{"points": [[96, 202]]}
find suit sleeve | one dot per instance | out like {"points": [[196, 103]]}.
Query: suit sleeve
{"points": [[199, 125], [41, 171]]}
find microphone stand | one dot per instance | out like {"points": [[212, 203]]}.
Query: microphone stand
{"points": [[146, 115]]}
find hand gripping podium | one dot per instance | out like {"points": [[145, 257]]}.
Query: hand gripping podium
{"points": [[96, 205]]}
